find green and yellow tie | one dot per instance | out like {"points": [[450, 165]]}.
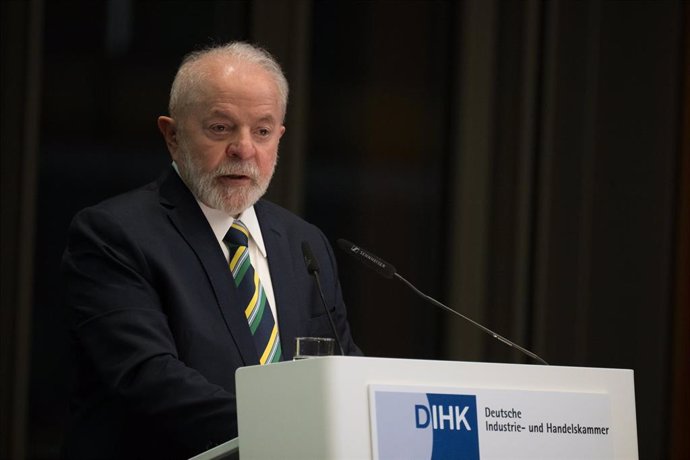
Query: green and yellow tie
{"points": [[252, 296]]}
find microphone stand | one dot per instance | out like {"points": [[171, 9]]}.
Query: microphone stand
{"points": [[483, 328]]}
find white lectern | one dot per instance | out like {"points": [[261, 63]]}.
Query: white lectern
{"points": [[373, 408]]}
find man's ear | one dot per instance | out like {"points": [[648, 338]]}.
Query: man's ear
{"points": [[168, 128]]}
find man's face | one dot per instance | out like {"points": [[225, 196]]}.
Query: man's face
{"points": [[227, 139]]}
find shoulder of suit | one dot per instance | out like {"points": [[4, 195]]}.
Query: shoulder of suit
{"points": [[139, 201], [277, 214]]}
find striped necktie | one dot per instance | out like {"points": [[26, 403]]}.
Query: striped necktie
{"points": [[252, 296]]}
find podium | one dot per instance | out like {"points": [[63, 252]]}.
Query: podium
{"points": [[373, 408]]}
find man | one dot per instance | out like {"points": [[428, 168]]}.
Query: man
{"points": [[160, 325]]}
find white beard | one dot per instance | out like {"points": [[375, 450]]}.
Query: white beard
{"points": [[207, 189]]}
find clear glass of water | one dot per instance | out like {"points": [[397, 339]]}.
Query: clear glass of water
{"points": [[309, 347]]}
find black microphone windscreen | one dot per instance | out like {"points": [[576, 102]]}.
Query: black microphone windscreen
{"points": [[309, 259], [377, 264]]}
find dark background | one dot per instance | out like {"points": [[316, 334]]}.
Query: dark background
{"points": [[525, 162]]}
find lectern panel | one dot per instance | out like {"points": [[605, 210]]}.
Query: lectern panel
{"points": [[320, 408]]}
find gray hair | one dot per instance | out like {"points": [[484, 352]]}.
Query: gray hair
{"points": [[189, 74]]}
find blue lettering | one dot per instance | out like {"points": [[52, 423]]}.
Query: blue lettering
{"points": [[442, 417], [419, 409]]}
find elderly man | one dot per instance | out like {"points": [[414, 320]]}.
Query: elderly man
{"points": [[175, 285]]}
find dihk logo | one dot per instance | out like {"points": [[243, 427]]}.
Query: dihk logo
{"points": [[411, 425], [453, 420]]}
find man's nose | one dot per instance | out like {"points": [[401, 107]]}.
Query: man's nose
{"points": [[241, 145]]}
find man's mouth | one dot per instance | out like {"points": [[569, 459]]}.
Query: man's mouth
{"points": [[235, 178]]}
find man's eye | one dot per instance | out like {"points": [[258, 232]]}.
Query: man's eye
{"points": [[219, 128], [264, 132]]}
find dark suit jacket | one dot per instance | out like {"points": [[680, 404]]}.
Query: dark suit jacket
{"points": [[158, 334]]}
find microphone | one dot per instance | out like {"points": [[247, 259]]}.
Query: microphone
{"points": [[370, 260], [313, 269], [386, 270]]}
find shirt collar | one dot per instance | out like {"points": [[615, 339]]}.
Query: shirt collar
{"points": [[220, 223], [249, 219]]}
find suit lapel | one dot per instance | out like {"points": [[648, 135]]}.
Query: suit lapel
{"points": [[190, 222], [282, 260]]}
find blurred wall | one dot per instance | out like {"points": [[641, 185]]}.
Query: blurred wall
{"points": [[520, 161]]}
